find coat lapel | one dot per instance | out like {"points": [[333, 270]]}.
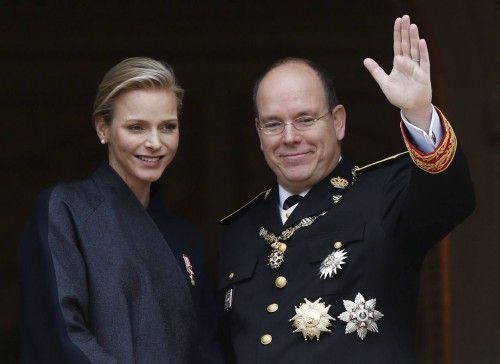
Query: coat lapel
{"points": [[269, 216], [139, 229]]}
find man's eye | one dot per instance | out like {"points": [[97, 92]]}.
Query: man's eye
{"points": [[305, 121], [272, 125]]}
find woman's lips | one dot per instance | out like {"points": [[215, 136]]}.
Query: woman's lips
{"points": [[150, 161]]}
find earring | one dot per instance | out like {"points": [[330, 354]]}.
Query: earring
{"points": [[103, 141]]}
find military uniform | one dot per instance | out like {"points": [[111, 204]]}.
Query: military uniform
{"points": [[384, 219]]}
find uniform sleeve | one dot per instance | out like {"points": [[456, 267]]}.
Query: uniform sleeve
{"points": [[422, 207], [53, 291]]}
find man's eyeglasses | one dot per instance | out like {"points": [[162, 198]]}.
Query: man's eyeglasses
{"points": [[302, 123]]}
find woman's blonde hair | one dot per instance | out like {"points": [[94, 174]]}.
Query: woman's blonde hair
{"points": [[132, 74]]}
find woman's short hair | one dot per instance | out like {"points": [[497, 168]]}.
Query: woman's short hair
{"points": [[132, 74]]}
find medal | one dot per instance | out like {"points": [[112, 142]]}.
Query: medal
{"points": [[189, 269], [228, 299], [360, 316], [331, 263], [277, 255], [311, 319]]}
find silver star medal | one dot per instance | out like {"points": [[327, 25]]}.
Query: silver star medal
{"points": [[332, 263], [311, 319], [360, 316]]}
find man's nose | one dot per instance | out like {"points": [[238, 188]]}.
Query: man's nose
{"points": [[290, 134]]}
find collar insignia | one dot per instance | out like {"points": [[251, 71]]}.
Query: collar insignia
{"points": [[339, 182]]}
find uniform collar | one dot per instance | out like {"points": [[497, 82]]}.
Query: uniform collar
{"points": [[320, 197]]}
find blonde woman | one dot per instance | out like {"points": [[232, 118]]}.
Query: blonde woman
{"points": [[108, 275]]}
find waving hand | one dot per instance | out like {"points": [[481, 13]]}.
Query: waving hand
{"points": [[408, 86]]}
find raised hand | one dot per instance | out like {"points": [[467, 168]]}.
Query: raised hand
{"points": [[408, 86]]}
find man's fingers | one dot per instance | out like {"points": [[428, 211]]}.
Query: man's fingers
{"points": [[414, 42], [397, 37], [425, 63], [377, 73], [405, 35]]}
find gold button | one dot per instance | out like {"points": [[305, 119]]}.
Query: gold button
{"points": [[337, 245], [231, 275], [280, 282], [266, 339], [282, 247], [273, 307]]}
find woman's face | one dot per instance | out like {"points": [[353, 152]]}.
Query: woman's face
{"points": [[143, 135]]}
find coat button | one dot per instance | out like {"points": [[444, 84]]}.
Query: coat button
{"points": [[280, 282], [273, 307], [231, 275], [337, 245], [266, 339]]}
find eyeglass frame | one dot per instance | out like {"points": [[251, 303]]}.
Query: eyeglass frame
{"points": [[293, 123]]}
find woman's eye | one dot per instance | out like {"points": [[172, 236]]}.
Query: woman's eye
{"points": [[134, 127], [170, 127]]}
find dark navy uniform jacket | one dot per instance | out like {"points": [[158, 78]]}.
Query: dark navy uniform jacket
{"points": [[387, 219], [103, 280]]}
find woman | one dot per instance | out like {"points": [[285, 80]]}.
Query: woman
{"points": [[107, 274]]}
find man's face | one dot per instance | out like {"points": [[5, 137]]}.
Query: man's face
{"points": [[300, 159]]}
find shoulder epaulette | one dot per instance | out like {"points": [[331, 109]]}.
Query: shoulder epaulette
{"points": [[261, 196], [379, 163]]}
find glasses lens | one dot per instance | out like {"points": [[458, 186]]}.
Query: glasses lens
{"points": [[272, 127], [304, 122]]}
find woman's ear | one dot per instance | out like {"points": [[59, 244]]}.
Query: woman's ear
{"points": [[101, 128]]}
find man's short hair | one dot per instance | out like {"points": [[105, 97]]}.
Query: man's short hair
{"points": [[323, 74]]}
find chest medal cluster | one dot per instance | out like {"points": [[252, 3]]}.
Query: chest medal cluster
{"points": [[312, 318]]}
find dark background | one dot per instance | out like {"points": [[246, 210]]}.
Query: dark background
{"points": [[53, 55]]}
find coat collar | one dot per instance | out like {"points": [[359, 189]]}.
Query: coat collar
{"points": [[320, 197], [107, 178]]}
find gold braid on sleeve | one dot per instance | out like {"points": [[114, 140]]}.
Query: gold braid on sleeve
{"points": [[438, 160]]}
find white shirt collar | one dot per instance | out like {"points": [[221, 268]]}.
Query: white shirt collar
{"points": [[284, 194]]}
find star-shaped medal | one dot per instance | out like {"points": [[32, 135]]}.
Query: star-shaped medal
{"points": [[311, 319], [331, 263], [360, 316]]}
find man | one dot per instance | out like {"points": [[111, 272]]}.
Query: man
{"points": [[324, 267]]}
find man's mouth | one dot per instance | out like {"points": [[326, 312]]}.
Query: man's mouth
{"points": [[294, 155]]}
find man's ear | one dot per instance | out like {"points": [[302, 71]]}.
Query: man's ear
{"points": [[339, 120], [101, 128], [259, 132]]}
